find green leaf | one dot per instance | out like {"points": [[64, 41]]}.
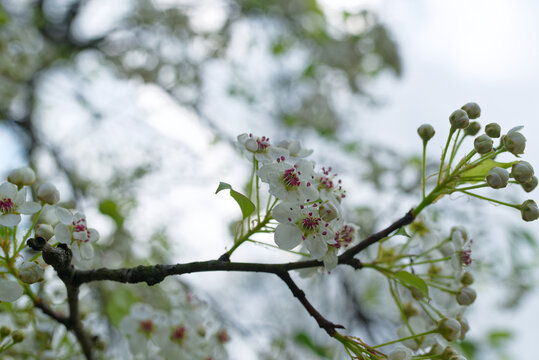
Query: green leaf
{"points": [[247, 207], [119, 304], [110, 208], [402, 232], [223, 186], [305, 340], [481, 170], [415, 281]]}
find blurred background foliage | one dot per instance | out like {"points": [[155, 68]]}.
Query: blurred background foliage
{"points": [[73, 74]]}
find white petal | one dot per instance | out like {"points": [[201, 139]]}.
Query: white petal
{"points": [[93, 235], [8, 191], [286, 212], [242, 138], [270, 172], [62, 234], [287, 236], [330, 259], [80, 235], [10, 290], [316, 246], [308, 193], [86, 251], [20, 198], [10, 220], [65, 216], [29, 207]]}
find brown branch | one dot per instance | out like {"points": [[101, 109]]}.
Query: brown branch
{"points": [[323, 323], [60, 258], [62, 319]]}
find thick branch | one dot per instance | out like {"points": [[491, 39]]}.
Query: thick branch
{"points": [[75, 322], [62, 319]]}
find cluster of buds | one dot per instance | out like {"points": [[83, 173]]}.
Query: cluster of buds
{"points": [[493, 174], [308, 210]]}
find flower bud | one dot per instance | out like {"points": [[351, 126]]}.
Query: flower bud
{"points": [[459, 119], [400, 353], [448, 352], [45, 231], [4, 331], [22, 176], [497, 178], [514, 142], [48, 193], [522, 172], [328, 212], [416, 294], [472, 129], [472, 109], [483, 144], [493, 130], [17, 336], [449, 329], [467, 278], [410, 310], [530, 185], [464, 328], [31, 273], [466, 296], [426, 132], [529, 210]]}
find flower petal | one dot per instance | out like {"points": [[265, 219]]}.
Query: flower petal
{"points": [[86, 251], [10, 220], [286, 212], [8, 191], [62, 234], [93, 235], [330, 259], [29, 207], [65, 216], [316, 246], [287, 236], [10, 290]]}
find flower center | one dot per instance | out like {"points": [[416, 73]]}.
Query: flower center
{"points": [[310, 222], [291, 178], [79, 226], [466, 257], [178, 334], [146, 326], [344, 237], [6, 205], [263, 143]]}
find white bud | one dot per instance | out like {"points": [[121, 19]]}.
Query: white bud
{"points": [[48, 193], [530, 185], [497, 178], [514, 142], [472, 109], [483, 144], [529, 210], [45, 231], [464, 328], [466, 296], [449, 329], [459, 119], [22, 176], [522, 172], [400, 353], [31, 272]]}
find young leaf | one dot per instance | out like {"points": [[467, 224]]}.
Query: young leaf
{"points": [[402, 232], [482, 169], [247, 207], [414, 281]]}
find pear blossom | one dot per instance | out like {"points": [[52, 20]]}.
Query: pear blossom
{"points": [[329, 186], [72, 228], [303, 223], [295, 149], [290, 181], [13, 203], [261, 148]]}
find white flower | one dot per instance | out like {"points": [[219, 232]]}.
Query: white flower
{"points": [[13, 203], [288, 181], [329, 186], [73, 228], [294, 148], [261, 147], [48, 193], [302, 223], [10, 290]]}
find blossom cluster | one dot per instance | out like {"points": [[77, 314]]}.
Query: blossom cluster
{"points": [[66, 227], [187, 330], [308, 210]]}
